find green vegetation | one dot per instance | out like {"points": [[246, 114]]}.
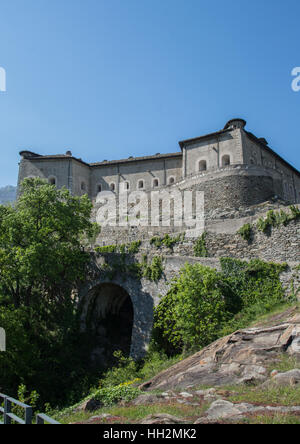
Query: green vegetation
{"points": [[42, 258], [132, 414], [245, 232], [166, 241], [132, 248], [120, 266], [203, 304], [200, 249], [277, 218], [286, 396]]}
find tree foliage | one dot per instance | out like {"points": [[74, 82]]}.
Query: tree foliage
{"points": [[43, 257], [204, 304]]}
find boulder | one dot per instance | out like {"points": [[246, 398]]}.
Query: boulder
{"points": [[89, 405], [240, 358], [162, 418], [146, 399], [290, 378]]}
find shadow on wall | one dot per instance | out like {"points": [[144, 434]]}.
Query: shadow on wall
{"points": [[119, 315]]}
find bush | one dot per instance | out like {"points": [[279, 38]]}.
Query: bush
{"points": [[245, 232], [191, 313], [112, 395], [203, 304]]}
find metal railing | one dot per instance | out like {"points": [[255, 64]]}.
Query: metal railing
{"points": [[9, 416], [42, 419]]}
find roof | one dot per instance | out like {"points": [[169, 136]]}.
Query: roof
{"points": [[34, 156], [206, 136]]}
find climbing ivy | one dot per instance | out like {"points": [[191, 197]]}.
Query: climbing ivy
{"points": [[166, 241], [275, 219], [200, 249], [135, 269], [130, 248]]}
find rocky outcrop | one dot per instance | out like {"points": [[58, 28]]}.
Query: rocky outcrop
{"points": [[240, 358], [287, 379], [222, 409], [162, 418]]}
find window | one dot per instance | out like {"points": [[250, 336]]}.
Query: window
{"points": [[126, 185], [171, 180], [226, 160], [52, 180], [202, 165], [112, 186], [155, 183], [140, 184], [99, 188]]}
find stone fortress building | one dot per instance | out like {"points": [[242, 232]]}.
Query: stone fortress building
{"points": [[242, 179], [232, 166]]}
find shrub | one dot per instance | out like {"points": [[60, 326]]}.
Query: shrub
{"points": [[112, 395], [190, 314], [245, 232], [200, 249], [204, 304]]}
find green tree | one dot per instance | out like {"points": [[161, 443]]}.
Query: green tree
{"points": [[43, 258], [41, 249], [191, 314]]}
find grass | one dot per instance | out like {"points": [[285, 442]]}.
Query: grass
{"points": [[132, 414], [267, 318], [281, 396], [276, 419], [284, 364]]}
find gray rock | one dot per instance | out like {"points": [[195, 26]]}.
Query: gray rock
{"points": [[222, 409], [90, 405], [185, 395], [146, 399], [290, 378], [240, 358], [162, 418]]}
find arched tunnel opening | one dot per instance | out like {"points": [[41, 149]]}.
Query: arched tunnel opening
{"points": [[110, 319]]}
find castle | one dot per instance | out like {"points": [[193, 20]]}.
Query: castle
{"points": [[242, 178], [232, 166]]}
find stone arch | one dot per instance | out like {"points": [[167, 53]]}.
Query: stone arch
{"points": [[120, 292]]}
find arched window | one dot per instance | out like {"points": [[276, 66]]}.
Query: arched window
{"points": [[202, 165], [171, 180], [99, 188], [155, 183], [112, 186], [126, 185], [52, 180], [226, 160], [140, 184]]}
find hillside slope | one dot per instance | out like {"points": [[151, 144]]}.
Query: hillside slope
{"points": [[242, 357], [251, 376], [8, 194]]}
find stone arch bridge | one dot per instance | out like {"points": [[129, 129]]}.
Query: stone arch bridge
{"points": [[119, 309]]}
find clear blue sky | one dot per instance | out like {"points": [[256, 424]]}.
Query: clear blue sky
{"points": [[109, 79]]}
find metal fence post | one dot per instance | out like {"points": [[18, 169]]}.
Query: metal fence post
{"points": [[28, 415], [7, 409]]}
